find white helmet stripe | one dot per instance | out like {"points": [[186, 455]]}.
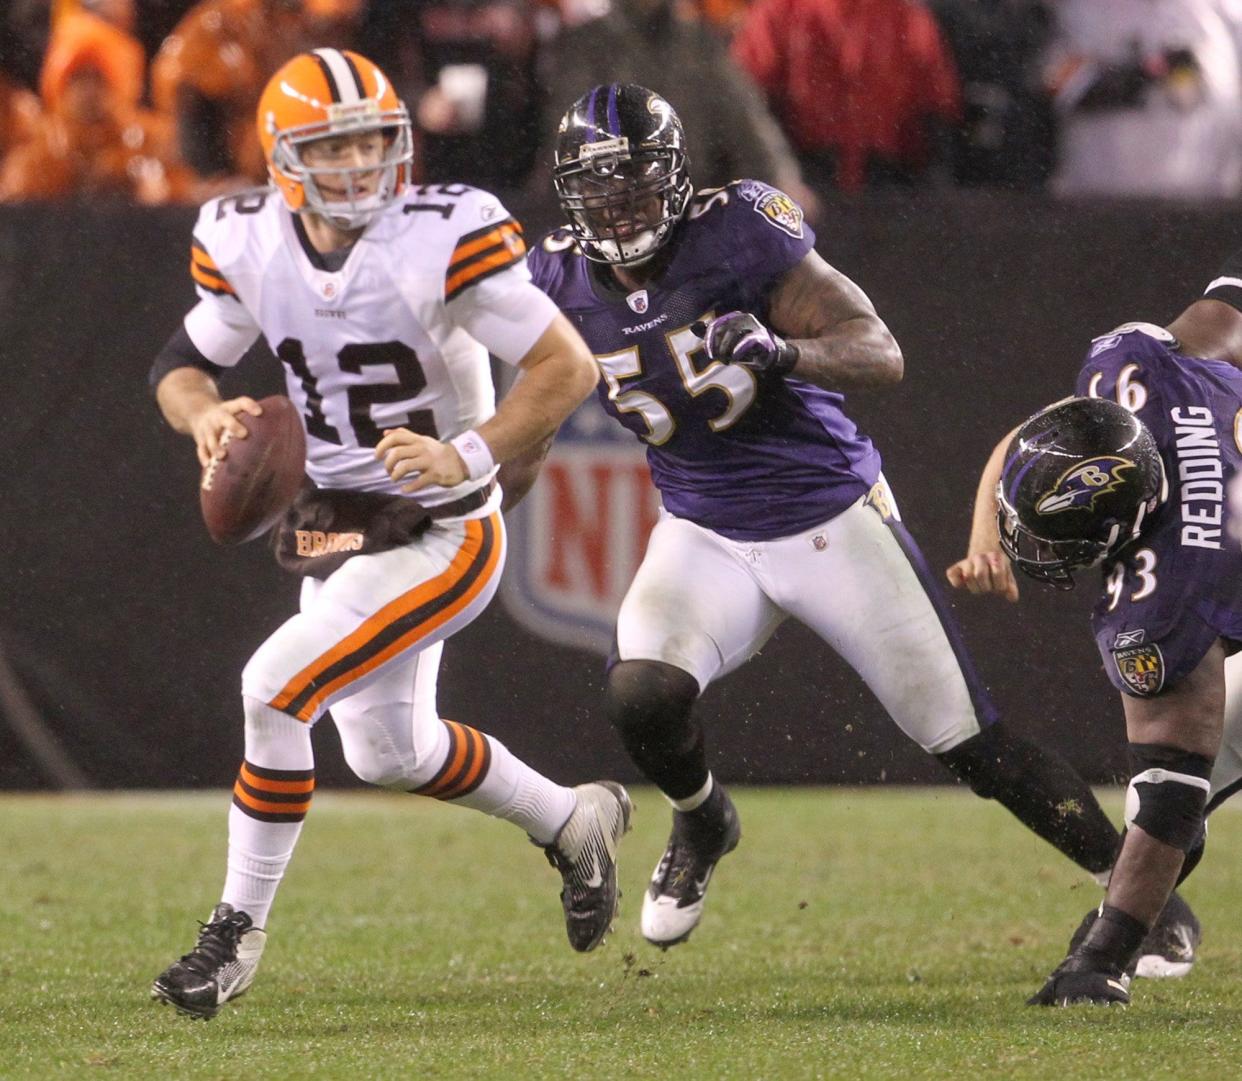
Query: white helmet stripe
{"points": [[342, 75]]}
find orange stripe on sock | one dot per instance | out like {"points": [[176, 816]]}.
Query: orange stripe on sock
{"points": [[263, 784], [265, 806], [476, 741], [459, 748]]}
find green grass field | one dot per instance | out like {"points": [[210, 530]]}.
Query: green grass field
{"points": [[856, 933]]}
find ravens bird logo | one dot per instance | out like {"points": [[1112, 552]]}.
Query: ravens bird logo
{"points": [[1081, 487]]}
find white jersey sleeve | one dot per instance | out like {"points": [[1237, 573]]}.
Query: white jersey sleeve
{"points": [[220, 326], [487, 288]]}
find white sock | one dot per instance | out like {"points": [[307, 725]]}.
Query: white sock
{"points": [[482, 773], [270, 800]]}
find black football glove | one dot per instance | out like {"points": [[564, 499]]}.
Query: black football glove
{"points": [[1077, 981], [739, 338]]}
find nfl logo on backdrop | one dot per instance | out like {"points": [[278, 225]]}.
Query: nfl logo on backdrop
{"points": [[579, 535]]}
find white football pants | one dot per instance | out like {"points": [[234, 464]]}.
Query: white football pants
{"points": [[705, 604]]}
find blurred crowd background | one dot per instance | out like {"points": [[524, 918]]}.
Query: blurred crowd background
{"points": [[152, 101]]}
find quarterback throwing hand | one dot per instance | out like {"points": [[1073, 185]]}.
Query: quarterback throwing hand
{"points": [[382, 302]]}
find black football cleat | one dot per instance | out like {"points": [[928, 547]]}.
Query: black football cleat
{"points": [[1170, 949], [220, 967], [673, 903], [585, 853]]}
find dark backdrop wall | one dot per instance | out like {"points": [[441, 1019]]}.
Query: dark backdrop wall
{"points": [[127, 628]]}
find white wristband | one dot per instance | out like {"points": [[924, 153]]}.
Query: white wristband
{"points": [[475, 453]]}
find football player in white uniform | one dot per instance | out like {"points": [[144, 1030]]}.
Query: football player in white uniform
{"points": [[382, 301]]}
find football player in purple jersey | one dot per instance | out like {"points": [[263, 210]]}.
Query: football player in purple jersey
{"points": [[1131, 476], [725, 343]]}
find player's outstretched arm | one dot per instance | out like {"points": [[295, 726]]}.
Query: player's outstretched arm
{"points": [[191, 404], [841, 343], [558, 373], [986, 568]]}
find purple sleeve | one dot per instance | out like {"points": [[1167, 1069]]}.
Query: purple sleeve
{"points": [[769, 232], [1129, 366], [546, 260], [539, 265]]}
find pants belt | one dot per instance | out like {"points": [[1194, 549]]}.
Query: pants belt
{"points": [[465, 504]]}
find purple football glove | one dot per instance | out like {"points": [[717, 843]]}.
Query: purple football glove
{"points": [[739, 338]]}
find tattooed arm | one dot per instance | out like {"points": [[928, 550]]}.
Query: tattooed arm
{"points": [[842, 344]]}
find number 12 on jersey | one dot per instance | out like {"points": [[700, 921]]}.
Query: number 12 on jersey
{"points": [[356, 358]]}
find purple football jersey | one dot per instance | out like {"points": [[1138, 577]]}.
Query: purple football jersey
{"points": [[750, 457], [1178, 588]]}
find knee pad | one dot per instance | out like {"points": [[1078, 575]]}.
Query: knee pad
{"points": [[1168, 793], [639, 694], [386, 747], [377, 762], [1193, 857]]}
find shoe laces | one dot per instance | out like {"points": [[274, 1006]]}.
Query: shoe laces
{"points": [[678, 866], [217, 943], [574, 873], [695, 846]]}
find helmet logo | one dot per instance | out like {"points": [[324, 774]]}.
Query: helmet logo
{"points": [[605, 155], [348, 114], [1080, 487]]}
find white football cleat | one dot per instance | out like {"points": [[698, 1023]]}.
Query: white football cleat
{"points": [[1169, 950], [673, 903]]}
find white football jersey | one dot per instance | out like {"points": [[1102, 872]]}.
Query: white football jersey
{"points": [[397, 337]]}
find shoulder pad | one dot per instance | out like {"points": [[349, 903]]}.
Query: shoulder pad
{"points": [[225, 230], [560, 239], [460, 206], [770, 204], [1150, 329], [224, 224]]}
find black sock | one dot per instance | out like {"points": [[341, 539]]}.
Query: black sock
{"points": [[1041, 790], [1113, 940]]}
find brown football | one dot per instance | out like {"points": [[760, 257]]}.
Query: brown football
{"points": [[244, 493]]}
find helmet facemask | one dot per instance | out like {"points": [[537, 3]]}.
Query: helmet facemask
{"points": [[622, 204], [358, 205]]}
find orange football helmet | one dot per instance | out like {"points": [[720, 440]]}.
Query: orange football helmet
{"points": [[333, 92]]}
